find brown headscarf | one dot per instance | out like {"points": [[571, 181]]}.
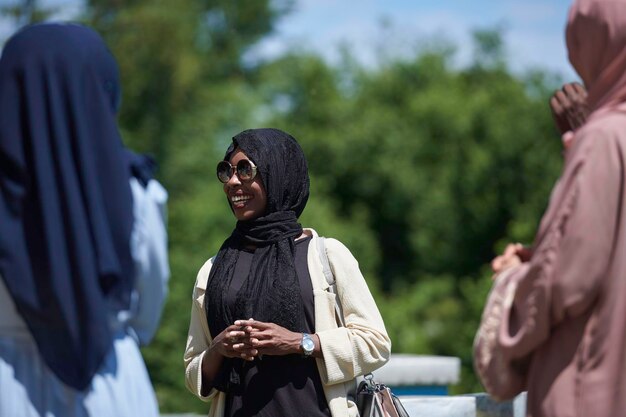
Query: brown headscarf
{"points": [[596, 39]]}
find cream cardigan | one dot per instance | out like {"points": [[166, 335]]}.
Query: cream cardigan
{"points": [[361, 347]]}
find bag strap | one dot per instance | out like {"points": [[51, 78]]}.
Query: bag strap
{"points": [[330, 279], [332, 288]]}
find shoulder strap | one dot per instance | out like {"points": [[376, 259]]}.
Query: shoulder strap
{"points": [[330, 278], [332, 288]]}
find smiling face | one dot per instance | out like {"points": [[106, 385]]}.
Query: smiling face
{"points": [[247, 198]]}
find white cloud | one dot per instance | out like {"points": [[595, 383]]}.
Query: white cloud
{"points": [[533, 29]]}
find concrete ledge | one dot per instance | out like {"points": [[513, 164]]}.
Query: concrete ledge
{"points": [[474, 405], [411, 370], [487, 407], [440, 406]]}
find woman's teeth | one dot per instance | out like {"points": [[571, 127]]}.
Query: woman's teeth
{"points": [[240, 199]]}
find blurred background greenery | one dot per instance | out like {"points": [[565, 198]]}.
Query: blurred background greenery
{"points": [[425, 170]]}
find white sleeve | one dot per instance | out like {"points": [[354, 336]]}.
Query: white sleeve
{"points": [[149, 251]]}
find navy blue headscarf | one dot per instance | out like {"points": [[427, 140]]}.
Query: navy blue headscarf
{"points": [[65, 201]]}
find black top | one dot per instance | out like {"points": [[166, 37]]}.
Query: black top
{"points": [[280, 385]]}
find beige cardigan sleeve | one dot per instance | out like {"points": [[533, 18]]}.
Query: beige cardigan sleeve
{"points": [[363, 345], [198, 337]]}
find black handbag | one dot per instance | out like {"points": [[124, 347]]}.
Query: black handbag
{"points": [[373, 399]]}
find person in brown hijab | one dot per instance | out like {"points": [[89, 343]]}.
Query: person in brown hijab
{"points": [[555, 321]]}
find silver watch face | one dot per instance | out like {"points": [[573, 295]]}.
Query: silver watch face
{"points": [[307, 345]]}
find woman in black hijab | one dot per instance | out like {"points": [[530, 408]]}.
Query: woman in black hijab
{"points": [[263, 337], [81, 230]]}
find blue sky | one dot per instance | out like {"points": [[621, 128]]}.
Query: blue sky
{"points": [[533, 29]]}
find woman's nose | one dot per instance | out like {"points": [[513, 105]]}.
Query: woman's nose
{"points": [[233, 180]]}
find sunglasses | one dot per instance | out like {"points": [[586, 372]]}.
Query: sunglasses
{"points": [[246, 170]]}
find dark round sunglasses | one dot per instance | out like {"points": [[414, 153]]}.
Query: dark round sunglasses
{"points": [[246, 170]]}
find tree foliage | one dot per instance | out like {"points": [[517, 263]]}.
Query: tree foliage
{"points": [[423, 169]]}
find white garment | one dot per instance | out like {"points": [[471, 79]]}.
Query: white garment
{"points": [[122, 386]]}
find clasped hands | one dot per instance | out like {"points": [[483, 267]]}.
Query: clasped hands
{"points": [[248, 339]]}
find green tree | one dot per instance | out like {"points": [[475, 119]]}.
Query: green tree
{"points": [[424, 169], [438, 167], [171, 50], [25, 12]]}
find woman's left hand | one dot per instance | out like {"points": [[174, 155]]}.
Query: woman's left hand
{"points": [[271, 339], [514, 254], [569, 107]]}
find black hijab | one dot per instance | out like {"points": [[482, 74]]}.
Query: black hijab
{"points": [[65, 202], [271, 292]]}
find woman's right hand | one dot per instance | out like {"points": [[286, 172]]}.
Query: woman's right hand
{"points": [[234, 342]]}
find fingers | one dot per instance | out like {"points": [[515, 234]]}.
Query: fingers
{"points": [[569, 107], [562, 104], [580, 89], [501, 263], [496, 264], [558, 113], [513, 254], [524, 253], [251, 323], [570, 92], [235, 342], [504, 262], [575, 91], [245, 351], [267, 331], [233, 347], [563, 99], [555, 105], [235, 332], [511, 262], [511, 249], [271, 338], [241, 335]]}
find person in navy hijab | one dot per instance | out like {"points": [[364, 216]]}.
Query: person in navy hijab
{"points": [[70, 193]]}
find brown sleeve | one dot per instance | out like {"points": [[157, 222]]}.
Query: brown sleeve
{"points": [[569, 262]]}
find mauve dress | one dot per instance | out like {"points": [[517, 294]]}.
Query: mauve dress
{"points": [[556, 325]]}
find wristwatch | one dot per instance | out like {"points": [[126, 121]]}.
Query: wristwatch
{"points": [[307, 345]]}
